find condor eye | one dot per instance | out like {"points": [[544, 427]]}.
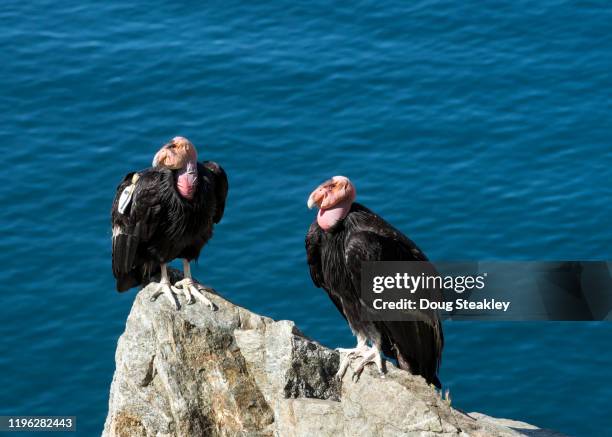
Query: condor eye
{"points": [[172, 146]]}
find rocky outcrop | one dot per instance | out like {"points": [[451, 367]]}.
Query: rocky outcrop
{"points": [[195, 372]]}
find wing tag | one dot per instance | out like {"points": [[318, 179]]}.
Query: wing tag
{"points": [[126, 196]]}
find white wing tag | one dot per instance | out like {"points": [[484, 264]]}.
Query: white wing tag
{"points": [[126, 196]]}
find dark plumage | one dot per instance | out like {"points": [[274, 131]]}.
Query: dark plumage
{"points": [[160, 224], [334, 258]]}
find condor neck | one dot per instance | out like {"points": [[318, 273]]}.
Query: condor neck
{"points": [[328, 218], [187, 180]]}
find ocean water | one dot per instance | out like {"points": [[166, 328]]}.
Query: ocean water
{"points": [[483, 131]]}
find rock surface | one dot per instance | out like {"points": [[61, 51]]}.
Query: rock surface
{"points": [[195, 372]]}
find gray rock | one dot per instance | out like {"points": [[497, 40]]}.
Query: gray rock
{"points": [[195, 372]]}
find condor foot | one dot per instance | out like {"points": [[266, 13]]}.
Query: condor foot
{"points": [[372, 355], [191, 289], [365, 355], [165, 288]]}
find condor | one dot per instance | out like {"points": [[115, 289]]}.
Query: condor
{"points": [[343, 236], [165, 212]]}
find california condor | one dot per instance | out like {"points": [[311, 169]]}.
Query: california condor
{"points": [[165, 212], [343, 235]]}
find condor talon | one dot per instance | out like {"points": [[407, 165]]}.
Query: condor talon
{"points": [[165, 288], [199, 295], [372, 355], [192, 289]]}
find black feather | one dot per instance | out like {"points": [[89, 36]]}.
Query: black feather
{"points": [[160, 225], [335, 257]]}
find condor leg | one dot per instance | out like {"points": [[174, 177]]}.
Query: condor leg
{"points": [[349, 354], [165, 288], [191, 288]]}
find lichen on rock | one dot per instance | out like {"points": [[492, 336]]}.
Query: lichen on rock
{"points": [[195, 372]]}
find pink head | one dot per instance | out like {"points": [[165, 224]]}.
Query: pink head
{"points": [[334, 198], [180, 154], [176, 154]]}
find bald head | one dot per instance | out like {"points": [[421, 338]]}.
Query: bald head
{"points": [[176, 154], [338, 189]]}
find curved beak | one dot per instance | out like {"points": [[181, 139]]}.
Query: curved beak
{"points": [[156, 159], [310, 203], [160, 155], [316, 197]]}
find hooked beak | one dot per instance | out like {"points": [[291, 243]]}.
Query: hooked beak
{"points": [[161, 155], [311, 203], [156, 158], [315, 198], [332, 192]]}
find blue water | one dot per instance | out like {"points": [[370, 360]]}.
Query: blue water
{"points": [[481, 130]]}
